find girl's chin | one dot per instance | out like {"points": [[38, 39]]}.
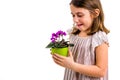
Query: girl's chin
{"points": [[79, 27]]}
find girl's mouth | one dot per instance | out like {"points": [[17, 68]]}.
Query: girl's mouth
{"points": [[79, 25]]}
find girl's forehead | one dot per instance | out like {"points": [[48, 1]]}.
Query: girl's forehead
{"points": [[75, 10]]}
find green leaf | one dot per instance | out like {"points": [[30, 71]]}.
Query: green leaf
{"points": [[50, 45], [71, 45]]}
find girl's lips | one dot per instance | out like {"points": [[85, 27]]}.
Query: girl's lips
{"points": [[79, 25]]}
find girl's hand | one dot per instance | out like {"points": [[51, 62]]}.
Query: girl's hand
{"points": [[64, 61]]}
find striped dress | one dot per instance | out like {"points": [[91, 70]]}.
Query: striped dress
{"points": [[83, 53]]}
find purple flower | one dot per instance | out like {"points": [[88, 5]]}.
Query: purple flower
{"points": [[53, 40], [58, 41], [56, 36], [60, 33], [64, 33]]}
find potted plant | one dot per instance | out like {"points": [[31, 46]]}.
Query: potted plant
{"points": [[58, 44]]}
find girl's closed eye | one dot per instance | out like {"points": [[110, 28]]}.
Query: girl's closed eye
{"points": [[77, 15], [80, 15]]}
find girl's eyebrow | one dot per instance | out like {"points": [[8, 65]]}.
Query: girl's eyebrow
{"points": [[77, 13]]}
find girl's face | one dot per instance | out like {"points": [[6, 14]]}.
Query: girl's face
{"points": [[82, 18]]}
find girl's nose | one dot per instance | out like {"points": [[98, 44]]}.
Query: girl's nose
{"points": [[75, 19]]}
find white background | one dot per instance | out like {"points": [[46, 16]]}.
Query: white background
{"points": [[25, 29]]}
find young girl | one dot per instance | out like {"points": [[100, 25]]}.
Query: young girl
{"points": [[88, 59]]}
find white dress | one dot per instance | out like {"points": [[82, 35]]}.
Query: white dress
{"points": [[84, 53]]}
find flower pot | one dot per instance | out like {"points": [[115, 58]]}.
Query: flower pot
{"points": [[60, 51]]}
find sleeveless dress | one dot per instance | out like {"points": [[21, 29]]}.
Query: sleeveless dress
{"points": [[84, 53]]}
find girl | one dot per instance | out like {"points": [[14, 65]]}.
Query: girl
{"points": [[88, 59]]}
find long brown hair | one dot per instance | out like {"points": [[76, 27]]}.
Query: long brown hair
{"points": [[91, 5]]}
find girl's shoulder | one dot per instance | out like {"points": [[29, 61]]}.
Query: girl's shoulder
{"points": [[100, 34], [99, 38]]}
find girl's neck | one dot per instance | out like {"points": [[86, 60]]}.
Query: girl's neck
{"points": [[83, 34]]}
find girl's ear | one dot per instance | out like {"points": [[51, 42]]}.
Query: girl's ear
{"points": [[97, 12]]}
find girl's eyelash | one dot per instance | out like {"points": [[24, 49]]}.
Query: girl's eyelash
{"points": [[77, 15], [73, 15]]}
